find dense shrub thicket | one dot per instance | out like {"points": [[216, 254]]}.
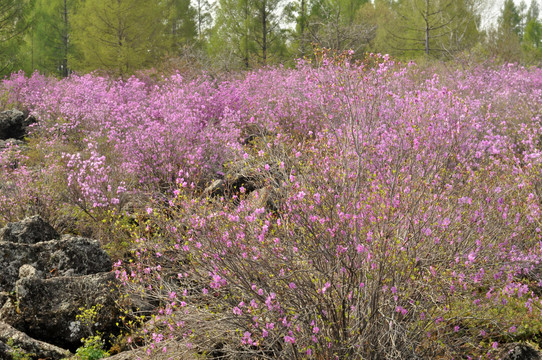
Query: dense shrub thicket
{"points": [[370, 210]]}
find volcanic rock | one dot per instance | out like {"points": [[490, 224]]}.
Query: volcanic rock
{"points": [[29, 231], [517, 351], [23, 342], [70, 255], [14, 124], [47, 309]]}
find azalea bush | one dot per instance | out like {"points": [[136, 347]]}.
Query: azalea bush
{"points": [[368, 209]]}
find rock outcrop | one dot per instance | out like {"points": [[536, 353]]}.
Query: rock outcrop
{"points": [[216, 188], [14, 124], [68, 256], [517, 351], [5, 144], [4, 296], [47, 309], [21, 342], [45, 281], [29, 231], [5, 352]]}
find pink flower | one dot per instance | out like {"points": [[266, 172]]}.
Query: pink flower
{"points": [[289, 339]]}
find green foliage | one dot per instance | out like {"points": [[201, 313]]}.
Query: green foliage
{"points": [[87, 317], [92, 349], [249, 31], [17, 353], [532, 42], [335, 24], [533, 12], [203, 18], [533, 34], [93, 345], [434, 28], [510, 19], [49, 41], [119, 37], [14, 18], [180, 27], [518, 37], [122, 37]]}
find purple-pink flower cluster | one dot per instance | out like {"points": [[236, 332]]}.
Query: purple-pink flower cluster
{"points": [[406, 200]]}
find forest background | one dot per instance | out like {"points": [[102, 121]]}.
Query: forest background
{"points": [[121, 37]]}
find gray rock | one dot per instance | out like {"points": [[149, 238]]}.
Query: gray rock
{"points": [[264, 198], [14, 124], [215, 189], [23, 342], [175, 350], [128, 355], [4, 296], [28, 271], [71, 255], [518, 351], [29, 231], [4, 144], [5, 352], [47, 309]]}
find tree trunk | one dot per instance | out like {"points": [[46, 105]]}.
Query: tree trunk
{"points": [[246, 34], [199, 20], [302, 28], [264, 30], [65, 71], [426, 18]]}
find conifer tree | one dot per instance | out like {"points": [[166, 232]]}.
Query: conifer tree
{"points": [[51, 42], [180, 25], [532, 34], [510, 19], [203, 17], [333, 24], [433, 27], [120, 36], [248, 30], [14, 22], [533, 12]]}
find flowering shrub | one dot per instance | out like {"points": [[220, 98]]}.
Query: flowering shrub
{"points": [[371, 210]]}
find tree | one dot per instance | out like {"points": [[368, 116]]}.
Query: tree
{"points": [[505, 41], [434, 27], [180, 24], [203, 9], [14, 22], [231, 36], [510, 19], [333, 24], [267, 31], [51, 36], [248, 30], [379, 15], [120, 36], [522, 12], [297, 12], [534, 11], [533, 34]]}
